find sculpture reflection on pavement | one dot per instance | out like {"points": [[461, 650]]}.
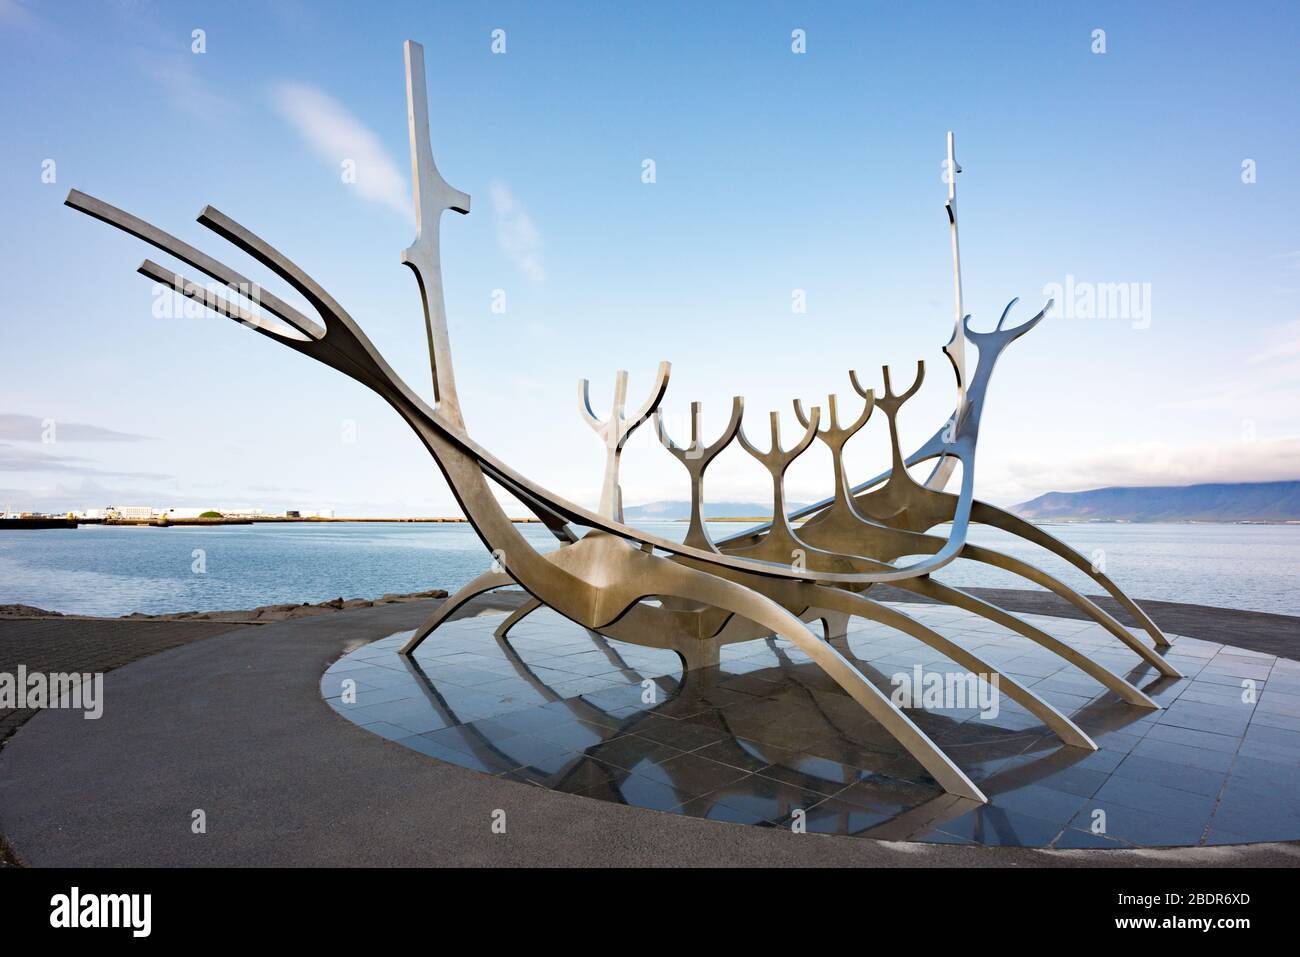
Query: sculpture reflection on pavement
{"points": [[695, 596]]}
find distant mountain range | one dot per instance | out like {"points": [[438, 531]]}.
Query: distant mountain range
{"points": [[1220, 502], [1226, 502], [675, 511]]}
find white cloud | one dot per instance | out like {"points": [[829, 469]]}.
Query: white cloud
{"points": [[336, 136], [33, 428], [516, 234]]}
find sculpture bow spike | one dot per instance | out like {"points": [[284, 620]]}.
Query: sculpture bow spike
{"points": [[956, 347], [999, 338], [433, 195]]}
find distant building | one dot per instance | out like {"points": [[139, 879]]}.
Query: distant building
{"points": [[242, 512], [184, 512], [132, 512]]}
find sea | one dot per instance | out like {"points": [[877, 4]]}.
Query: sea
{"points": [[111, 571]]}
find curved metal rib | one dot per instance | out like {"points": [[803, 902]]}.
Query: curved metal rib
{"points": [[995, 517], [483, 583], [845, 531], [719, 593], [851, 604], [1081, 602], [964, 600], [516, 616], [214, 301], [186, 253]]}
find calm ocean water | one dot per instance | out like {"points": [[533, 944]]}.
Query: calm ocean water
{"points": [[96, 570]]}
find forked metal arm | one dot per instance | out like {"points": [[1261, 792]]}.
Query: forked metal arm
{"points": [[777, 461], [615, 430], [836, 437], [696, 458]]}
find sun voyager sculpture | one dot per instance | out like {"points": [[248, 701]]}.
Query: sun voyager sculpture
{"points": [[695, 596]]}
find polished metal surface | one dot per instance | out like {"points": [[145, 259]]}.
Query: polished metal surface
{"points": [[695, 598]]}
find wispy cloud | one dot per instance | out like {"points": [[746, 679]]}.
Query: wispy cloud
{"points": [[13, 459], [338, 136], [1283, 343], [1145, 463], [516, 234], [31, 428], [16, 13], [60, 496], [1270, 379], [180, 76]]}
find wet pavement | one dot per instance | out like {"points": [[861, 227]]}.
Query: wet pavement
{"points": [[767, 739]]}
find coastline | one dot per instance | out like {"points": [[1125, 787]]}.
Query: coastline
{"points": [[45, 523], [261, 615]]}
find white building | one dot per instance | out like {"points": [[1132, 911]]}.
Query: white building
{"points": [[184, 512], [132, 512]]}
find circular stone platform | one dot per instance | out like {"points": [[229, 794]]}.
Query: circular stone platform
{"points": [[768, 739]]}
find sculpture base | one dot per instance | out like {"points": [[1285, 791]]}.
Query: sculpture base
{"points": [[766, 738]]}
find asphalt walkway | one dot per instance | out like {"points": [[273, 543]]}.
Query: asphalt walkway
{"points": [[233, 725]]}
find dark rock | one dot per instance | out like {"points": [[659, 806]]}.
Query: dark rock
{"points": [[27, 611]]}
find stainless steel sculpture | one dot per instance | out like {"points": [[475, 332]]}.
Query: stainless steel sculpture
{"points": [[695, 596]]}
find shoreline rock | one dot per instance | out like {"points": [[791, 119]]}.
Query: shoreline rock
{"points": [[27, 611]]}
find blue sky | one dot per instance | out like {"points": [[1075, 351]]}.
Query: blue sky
{"points": [[775, 172]]}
